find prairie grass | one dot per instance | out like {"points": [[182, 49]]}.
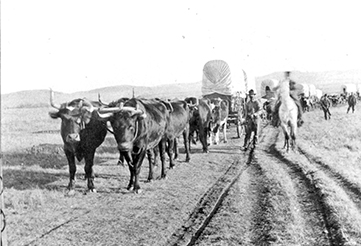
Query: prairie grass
{"points": [[336, 142]]}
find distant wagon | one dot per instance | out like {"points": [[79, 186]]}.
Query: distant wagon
{"points": [[268, 87], [319, 94], [348, 88], [312, 90], [303, 90], [219, 82]]}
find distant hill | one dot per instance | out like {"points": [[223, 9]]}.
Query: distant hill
{"points": [[40, 98], [329, 81]]}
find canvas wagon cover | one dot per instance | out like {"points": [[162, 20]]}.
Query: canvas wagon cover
{"points": [[304, 89], [218, 78], [318, 93], [312, 89], [348, 88], [358, 88], [271, 83]]}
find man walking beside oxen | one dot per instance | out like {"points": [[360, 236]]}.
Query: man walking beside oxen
{"points": [[252, 110]]}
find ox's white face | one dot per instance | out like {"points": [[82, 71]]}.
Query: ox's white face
{"points": [[74, 117]]}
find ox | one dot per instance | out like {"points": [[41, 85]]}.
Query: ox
{"points": [[219, 119], [306, 104], [178, 124], [351, 102], [200, 120], [139, 126], [114, 104], [193, 119], [82, 133]]}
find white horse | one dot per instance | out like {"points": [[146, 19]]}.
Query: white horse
{"points": [[287, 114]]}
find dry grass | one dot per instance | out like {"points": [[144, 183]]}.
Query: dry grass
{"points": [[336, 142]]}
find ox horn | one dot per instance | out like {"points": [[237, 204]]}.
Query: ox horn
{"points": [[111, 109], [101, 102], [88, 104], [133, 111], [57, 106]]}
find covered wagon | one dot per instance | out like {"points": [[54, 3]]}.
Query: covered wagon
{"points": [[312, 90], [358, 88], [268, 87], [219, 82], [318, 94], [303, 89], [348, 88]]}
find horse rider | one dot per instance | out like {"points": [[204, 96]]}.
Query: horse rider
{"points": [[252, 111], [294, 96]]}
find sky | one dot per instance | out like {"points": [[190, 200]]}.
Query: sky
{"points": [[79, 45]]}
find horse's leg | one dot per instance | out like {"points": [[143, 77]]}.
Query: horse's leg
{"points": [[287, 136], [293, 137], [348, 109]]}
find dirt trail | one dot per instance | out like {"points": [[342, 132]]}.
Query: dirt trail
{"points": [[271, 204]]}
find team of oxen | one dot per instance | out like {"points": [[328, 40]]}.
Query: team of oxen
{"points": [[141, 127]]}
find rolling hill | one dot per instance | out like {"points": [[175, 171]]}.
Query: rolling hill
{"points": [[328, 81], [40, 98]]}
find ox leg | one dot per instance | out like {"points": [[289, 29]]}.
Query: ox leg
{"points": [[156, 154], [170, 152], [162, 157], [176, 151], [129, 158], [203, 139], [190, 139], [89, 173], [121, 160], [216, 137], [150, 155], [225, 133], [132, 175], [186, 145], [138, 160], [72, 169]]}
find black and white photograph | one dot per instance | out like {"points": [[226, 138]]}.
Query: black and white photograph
{"points": [[195, 123]]}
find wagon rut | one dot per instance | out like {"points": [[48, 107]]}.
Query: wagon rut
{"points": [[274, 202]]}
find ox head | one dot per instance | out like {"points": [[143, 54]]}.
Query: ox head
{"points": [[219, 113], [74, 115], [193, 104], [126, 120]]}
